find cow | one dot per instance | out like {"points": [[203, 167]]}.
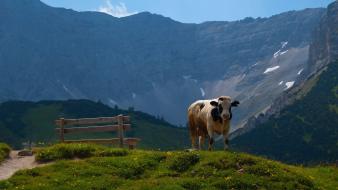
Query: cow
{"points": [[207, 117]]}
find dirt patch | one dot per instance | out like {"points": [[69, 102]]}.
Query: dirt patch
{"points": [[15, 163]]}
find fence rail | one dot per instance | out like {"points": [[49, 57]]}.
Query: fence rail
{"points": [[104, 128], [90, 121], [118, 123]]}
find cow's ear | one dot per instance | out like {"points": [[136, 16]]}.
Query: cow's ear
{"points": [[235, 103], [213, 103]]}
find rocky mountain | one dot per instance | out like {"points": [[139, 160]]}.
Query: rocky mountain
{"points": [[21, 122], [148, 61], [302, 125]]}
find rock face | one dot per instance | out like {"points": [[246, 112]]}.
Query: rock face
{"points": [[148, 61], [322, 51], [324, 48], [301, 125]]}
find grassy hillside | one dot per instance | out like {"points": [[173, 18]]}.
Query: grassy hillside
{"points": [[4, 151], [107, 168], [306, 131], [23, 121]]}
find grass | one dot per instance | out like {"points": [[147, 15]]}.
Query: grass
{"points": [[109, 168], [324, 177], [4, 151], [72, 151]]}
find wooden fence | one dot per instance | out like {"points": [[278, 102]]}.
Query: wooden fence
{"points": [[118, 123]]}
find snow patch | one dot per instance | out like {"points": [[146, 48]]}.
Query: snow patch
{"points": [[276, 54], [186, 77], [255, 64], [202, 92], [112, 102], [268, 70], [300, 72], [284, 52], [68, 91], [289, 84], [279, 52], [284, 44]]}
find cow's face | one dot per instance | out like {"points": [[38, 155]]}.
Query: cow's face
{"points": [[224, 105]]}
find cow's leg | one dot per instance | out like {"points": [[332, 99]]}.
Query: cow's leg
{"points": [[211, 137], [193, 132], [193, 142], [226, 139], [201, 141], [211, 142], [226, 143]]}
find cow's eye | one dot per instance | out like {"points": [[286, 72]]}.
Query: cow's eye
{"points": [[220, 108]]}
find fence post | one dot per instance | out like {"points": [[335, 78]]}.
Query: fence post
{"points": [[120, 129], [62, 132]]}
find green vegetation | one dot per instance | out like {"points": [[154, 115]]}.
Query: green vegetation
{"points": [[4, 151], [71, 151], [324, 177], [109, 168], [305, 132], [333, 108], [34, 121]]}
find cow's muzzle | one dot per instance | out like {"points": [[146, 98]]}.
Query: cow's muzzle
{"points": [[226, 116]]}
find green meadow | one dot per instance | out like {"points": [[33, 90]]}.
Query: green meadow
{"points": [[87, 166]]}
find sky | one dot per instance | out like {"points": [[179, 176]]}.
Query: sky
{"points": [[191, 11]]}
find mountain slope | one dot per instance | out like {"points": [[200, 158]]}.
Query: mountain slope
{"points": [[148, 61], [302, 125], [29, 121], [306, 131]]}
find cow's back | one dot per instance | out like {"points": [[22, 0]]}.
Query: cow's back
{"points": [[197, 117]]}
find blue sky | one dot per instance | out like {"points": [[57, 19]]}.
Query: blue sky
{"points": [[191, 11]]}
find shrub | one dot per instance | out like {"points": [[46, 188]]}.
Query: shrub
{"points": [[4, 151], [182, 161], [192, 184], [71, 151], [239, 182], [65, 151], [112, 152]]}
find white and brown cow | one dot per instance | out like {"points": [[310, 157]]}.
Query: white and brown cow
{"points": [[207, 117]]}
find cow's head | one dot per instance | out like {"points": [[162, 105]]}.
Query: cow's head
{"points": [[223, 106]]}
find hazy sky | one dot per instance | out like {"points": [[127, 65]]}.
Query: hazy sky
{"points": [[195, 11]]}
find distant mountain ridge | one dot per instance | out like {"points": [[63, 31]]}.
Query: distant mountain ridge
{"points": [[148, 61]]}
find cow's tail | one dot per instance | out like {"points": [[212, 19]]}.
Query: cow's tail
{"points": [[192, 127]]}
